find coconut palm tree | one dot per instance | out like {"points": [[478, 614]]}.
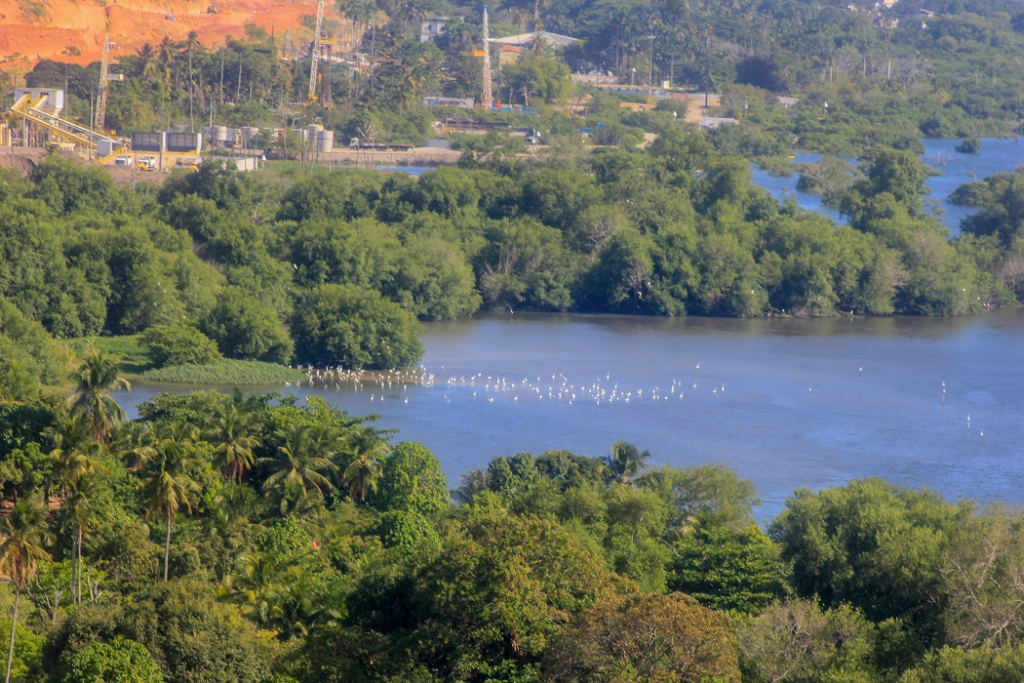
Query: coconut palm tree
{"points": [[234, 443], [97, 376], [471, 483], [135, 444], [166, 486], [73, 461], [625, 461], [75, 453], [298, 466], [363, 473], [81, 514], [149, 65], [24, 535]]}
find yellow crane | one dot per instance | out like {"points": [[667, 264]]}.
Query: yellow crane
{"points": [[316, 51]]}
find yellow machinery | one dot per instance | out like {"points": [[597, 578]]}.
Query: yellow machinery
{"points": [[30, 110]]}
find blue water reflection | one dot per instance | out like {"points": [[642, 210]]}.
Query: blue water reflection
{"points": [[956, 169]]}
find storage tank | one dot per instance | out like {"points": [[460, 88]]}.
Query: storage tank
{"points": [[233, 137], [220, 134], [312, 130], [325, 141], [249, 134]]}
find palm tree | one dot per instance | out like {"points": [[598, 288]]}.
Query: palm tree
{"points": [[167, 486], [234, 443], [626, 461], [73, 460], [148, 63], [24, 534], [364, 471], [75, 451], [95, 377], [136, 444], [81, 515], [470, 484], [298, 467]]}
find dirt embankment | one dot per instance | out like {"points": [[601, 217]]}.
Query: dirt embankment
{"points": [[46, 29]]}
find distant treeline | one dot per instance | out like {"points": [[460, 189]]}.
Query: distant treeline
{"points": [[337, 267]]}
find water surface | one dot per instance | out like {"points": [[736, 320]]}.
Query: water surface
{"points": [[786, 403], [956, 169]]}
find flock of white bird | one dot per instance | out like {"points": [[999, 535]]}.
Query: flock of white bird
{"points": [[488, 387], [383, 384]]}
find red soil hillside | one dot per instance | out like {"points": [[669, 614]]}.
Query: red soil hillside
{"points": [[35, 29]]}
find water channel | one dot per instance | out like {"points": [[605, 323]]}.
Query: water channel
{"points": [[954, 170], [785, 403]]}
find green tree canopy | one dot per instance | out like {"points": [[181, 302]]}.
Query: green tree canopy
{"points": [[354, 327]]}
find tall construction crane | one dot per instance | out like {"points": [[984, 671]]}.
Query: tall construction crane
{"points": [[105, 78], [316, 51]]}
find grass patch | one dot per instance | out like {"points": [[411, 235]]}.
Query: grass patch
{"points": [[128, 348], [234, 372]]}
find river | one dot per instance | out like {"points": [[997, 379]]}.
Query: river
{"points": [[954, 170], [785, 403]]}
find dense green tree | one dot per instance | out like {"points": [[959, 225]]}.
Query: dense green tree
{"points": [[353, 327], [363, 472], [980, 665], [31, 358], [525, 265], [412, 480], [799, 641], [728, 570], [873, 545], [191, 634], [245, 329], [122, 661], [707, 496], [537, 75], [67, 187], [178, 345], [644, 638]]}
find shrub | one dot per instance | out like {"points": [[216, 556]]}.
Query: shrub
{"points": [[178, 345]]}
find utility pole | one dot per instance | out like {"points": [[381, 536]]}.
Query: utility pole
{"points": [[650, 77], [191, 96], [488, 97], [327, 77]]}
